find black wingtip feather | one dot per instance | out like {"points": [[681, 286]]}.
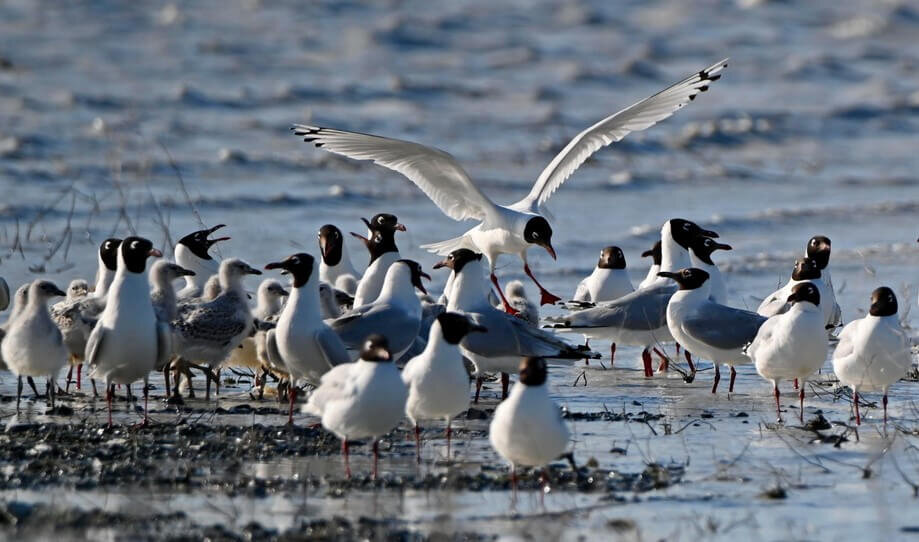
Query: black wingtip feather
{"points": [[715, 77]]}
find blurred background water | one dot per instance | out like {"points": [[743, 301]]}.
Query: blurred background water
{"points": [[155, 116]]}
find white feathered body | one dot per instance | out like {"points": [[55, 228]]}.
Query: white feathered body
{"points": [[372, 282], [438, 385], [33, 345], [790, 345], [128, 351], [363, 399], [873, 353], [604, 285], [527, 428]]}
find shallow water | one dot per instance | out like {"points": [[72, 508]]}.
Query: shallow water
{"points": [[812, 129]]}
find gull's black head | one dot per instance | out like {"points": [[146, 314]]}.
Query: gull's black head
{"points": [[538, 232], [689, 278], [384, 222], [805, 269], [703, 247], [299, 266], [198, 242], [376, 348], [331, 244], [135, 251], [611, 258], [455, 326], [805, 291], [533, 372], [654, 252], [818, 249], [458, 259], [108, 251], [883, 302], [417, 274], [683, 231]]}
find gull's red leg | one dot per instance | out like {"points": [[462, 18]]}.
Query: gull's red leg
{"points": [[665, 361], [546, 298], [717, 378], [775, 392], [507, 306], [801, 404], [344, 454], [858, 417], [646, 359], [692, 366], [733, 377]]}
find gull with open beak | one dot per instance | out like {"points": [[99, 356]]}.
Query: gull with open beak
{"points": [[191, 252]]}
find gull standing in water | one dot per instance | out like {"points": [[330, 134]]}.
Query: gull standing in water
{"points": [[336, 268], [128, 342], [514, 228], [301, 343], [708, 329], [874, 351], [207, 332], [163, 297], [33, 345], [528, 429], [792, 345], [438, 385], [363, 399]]}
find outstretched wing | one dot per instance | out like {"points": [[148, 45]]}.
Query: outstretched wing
{"points": [[435, 172], [639, 116]]}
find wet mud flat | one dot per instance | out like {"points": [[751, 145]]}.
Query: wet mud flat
{"points": [[653, 459]]}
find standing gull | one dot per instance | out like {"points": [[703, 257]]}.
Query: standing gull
{"points": [[438, 385], [708, 329], [33, 345], [208, 331], [128, 342], [874, 351], [363, 399], [163, 297], [510, 229], [792, 345], [528, 429], [301, 343]]}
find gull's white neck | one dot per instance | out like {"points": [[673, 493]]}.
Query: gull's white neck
{"points": [[397, 286], [330, 273], [203, 268], [303, 305], [104, 278], [673, 256], [469, 291]]}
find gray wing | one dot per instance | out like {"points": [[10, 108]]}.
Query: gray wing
{"points": [[510, 336], [723, 327], [217, 321], [394, 324], [331, 347], [640, 310], [94, 344], [163, 344], [4, 294]]}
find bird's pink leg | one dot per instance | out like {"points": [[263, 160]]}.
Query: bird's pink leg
{"points": [[344, 455], [546, 298], [692, 366], [665, 361], [507, 306], [717, 378], [646, 359], [79, 375], [778, 409]]}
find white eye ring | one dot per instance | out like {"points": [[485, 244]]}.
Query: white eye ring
{"points": [[134, 244]]}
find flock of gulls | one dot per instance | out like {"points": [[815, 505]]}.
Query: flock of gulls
{"points": [[373, 348]]}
